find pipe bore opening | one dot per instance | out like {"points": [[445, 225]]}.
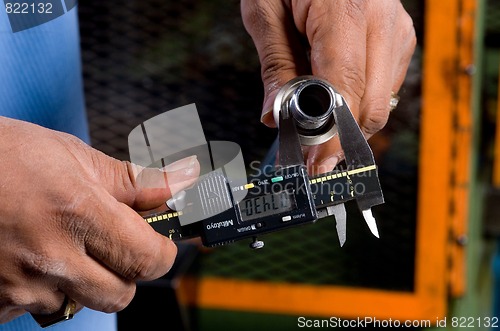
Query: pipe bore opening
{"points": [[314, 100]]}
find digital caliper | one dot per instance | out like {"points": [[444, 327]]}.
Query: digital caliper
{"points": [[308, 111]]}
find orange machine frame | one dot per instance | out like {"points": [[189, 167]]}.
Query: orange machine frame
{"points": [[442, 201]]}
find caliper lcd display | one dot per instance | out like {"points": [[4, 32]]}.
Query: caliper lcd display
{"points": [[265, 205]]}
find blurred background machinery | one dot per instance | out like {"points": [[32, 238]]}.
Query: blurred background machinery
{"points": [[142, 58]]}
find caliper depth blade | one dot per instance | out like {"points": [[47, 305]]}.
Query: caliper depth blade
{"points": [[340, 214], [341, 219]]}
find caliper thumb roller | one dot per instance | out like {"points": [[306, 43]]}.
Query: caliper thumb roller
{"points": [[308, 111]]}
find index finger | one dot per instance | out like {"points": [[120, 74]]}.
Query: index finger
{"points": [[336, 31], [119, 238]]}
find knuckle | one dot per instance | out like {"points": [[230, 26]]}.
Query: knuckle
{"points": [[356, 8], [376, 116], [121, 302], [255, 15], [38, 262], [153, 263], [407, 27], [412, 37], [322, 14], [12, 297], [143, 267], [74, 217], [8, 299], [129, 181], [316, 9], [37, 265], [352, 82], [115, 306], [408, 44], [355, 12], [274, 63], [407, 22]]}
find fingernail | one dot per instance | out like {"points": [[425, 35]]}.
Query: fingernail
{"points": [[267, 117], [182, 174], [177, 202], [182, 164]]}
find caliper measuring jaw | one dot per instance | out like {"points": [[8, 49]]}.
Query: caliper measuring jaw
{"points": [[319, 113]]}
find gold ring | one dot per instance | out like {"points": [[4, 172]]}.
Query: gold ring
{"points": [[66, 312], [393, 103]]}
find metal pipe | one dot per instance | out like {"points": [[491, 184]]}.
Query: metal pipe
{"points": [[311, 102]]}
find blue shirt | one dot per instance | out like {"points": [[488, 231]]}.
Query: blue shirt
{"points": [[40, 74], [41, 82]]}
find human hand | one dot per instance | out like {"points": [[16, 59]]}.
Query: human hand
{"points": [[68, 225], [363, 48]]}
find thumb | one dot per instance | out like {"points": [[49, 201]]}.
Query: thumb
{"points": [[154, 186], [145, 188], [281, 54]]}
